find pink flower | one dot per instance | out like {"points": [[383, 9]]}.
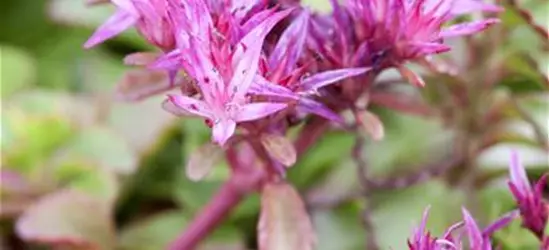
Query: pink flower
{"points": [[532, 207], [423, 240], [285, 78], [149, 17], [388, 33], [232, 76], [223, 72]]}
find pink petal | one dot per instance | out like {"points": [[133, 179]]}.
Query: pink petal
{"points": [[421, 229], [428, 48], [223, 130], [262, 86], [328, 77], [169, 61], [501, 222], [170, 107], [256, 20], [241, 7], [475, 236], [290, 44], [125, 5], [469, 6], [518, 174], [120, 21], [469, 28], [254, 111], [250, 50], [191, 105], [311, 106]]}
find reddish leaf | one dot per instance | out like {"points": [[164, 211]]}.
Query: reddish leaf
{"points": [[170, 107], [68, 218], [411, 76], [284, 223], [371, 124], [139, 84], [280, 148], [202, 161], [140, 58], [96, 2]]}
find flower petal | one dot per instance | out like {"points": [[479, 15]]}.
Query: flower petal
{"points": [[308, 105], [501, 222], [517, 174], [191, 105], [262, 86], [290, 44], [254, 111], [469, 28], [475, 236], [250, 51], [223, 130], [120, 21], [328, 77]]}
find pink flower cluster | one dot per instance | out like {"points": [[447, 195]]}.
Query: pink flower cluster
{"points": [[532, 209], [243, 73]]}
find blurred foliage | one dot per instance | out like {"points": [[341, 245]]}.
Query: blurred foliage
{"points": [[81, 169]]}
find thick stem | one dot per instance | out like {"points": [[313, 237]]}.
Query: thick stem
{"points": [[244, 179], [209, 218]]}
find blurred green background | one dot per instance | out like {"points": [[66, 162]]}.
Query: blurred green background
{"points": [[81, 170]]}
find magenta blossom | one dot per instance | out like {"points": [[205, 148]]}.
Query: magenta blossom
{"points": [[477, 239], [532, 207], [236, 82], [223, 76], [388, 33], [423, 240], [282, 76]]}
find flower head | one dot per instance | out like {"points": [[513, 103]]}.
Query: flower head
{"points": [[223, 71], [423, 240], [284, 77], [388, 33], [532, 207], [237, 81]]}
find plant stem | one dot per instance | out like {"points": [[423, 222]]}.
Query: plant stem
{"points": [[209, 218], [243, 180]]}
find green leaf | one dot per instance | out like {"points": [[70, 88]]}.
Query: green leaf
{"points": [[142, 134], [104, 147], [99, 183], [68, 217], [29, 140], [339, 228], [398, 212], [330, 150], [157, 231], [18, 70], [395, 152]]}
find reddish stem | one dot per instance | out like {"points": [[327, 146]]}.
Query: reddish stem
{"points": [[244, 179], [209, 218]]}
